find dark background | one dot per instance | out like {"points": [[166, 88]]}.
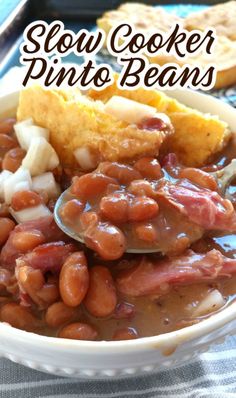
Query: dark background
{"points": [[92, 8]]}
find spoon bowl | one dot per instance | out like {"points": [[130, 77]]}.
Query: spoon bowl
{"points": [[68, 230], [223, 178]]}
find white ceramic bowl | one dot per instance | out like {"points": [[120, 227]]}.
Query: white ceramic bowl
{"points": [[121, 358]]}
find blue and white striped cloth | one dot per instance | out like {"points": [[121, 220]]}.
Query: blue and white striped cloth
{"points": [[212, 375]]}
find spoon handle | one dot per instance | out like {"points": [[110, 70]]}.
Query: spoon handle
{"points": [[225, 175]]}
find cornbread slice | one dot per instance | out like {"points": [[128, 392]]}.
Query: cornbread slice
{"points": [[143, 17], [222, 17], [75, 121], [197, 136]]}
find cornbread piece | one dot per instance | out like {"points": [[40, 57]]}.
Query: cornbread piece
{"points": [[144, 18], [223, 56], [197, 136], [75, 121], [222, 17]]}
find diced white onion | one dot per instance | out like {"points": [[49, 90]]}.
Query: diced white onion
{"points": [[4, 175], [128, 110], [25, 135], [212, 302], [46, 182], [40, 157], [23, 186], [31, 213], [53, 160], [18, 181], [85, 158], [20, 125]]}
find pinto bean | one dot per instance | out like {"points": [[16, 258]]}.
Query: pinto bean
{"points": [[48, 295], [90, 185], [74, 279], [149, 167], [24, 199], [101, 298], [27, 240], [106, 239], [78, 331], [6, 226], [58, 314], [4, 210], [121, 172], [199, 177], [89, 218], [13, 159], [71, 210], [115, 207], [125, 334], [6, 125], [19, 317], [111, 188], [32, 282], [7, 142], [142, 188], [146, 232], [142, 208]]}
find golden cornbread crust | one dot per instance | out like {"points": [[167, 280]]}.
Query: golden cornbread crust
{"points": [[76, 121], [197, 136]]}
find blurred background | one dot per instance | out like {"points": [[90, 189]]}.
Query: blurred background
{"points": [[76, 14]]}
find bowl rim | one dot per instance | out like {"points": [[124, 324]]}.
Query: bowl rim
{"points": [[163, 341]]}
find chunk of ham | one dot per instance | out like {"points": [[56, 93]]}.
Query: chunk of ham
{"points": [[49, 256], [45, 225], [158, 277], [204, 207]]}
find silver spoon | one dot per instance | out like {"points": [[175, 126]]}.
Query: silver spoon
{"points": [[74, 235], [223, 178]]}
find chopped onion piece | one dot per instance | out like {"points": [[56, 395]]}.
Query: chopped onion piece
{"points": [[14, 183], [31, 213], [40, 157], [85, 158], [46, 182], [23, 186], [18, 127], [211, 303], [53, 161], [128, 110], [4, 175], [25, 135]]}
